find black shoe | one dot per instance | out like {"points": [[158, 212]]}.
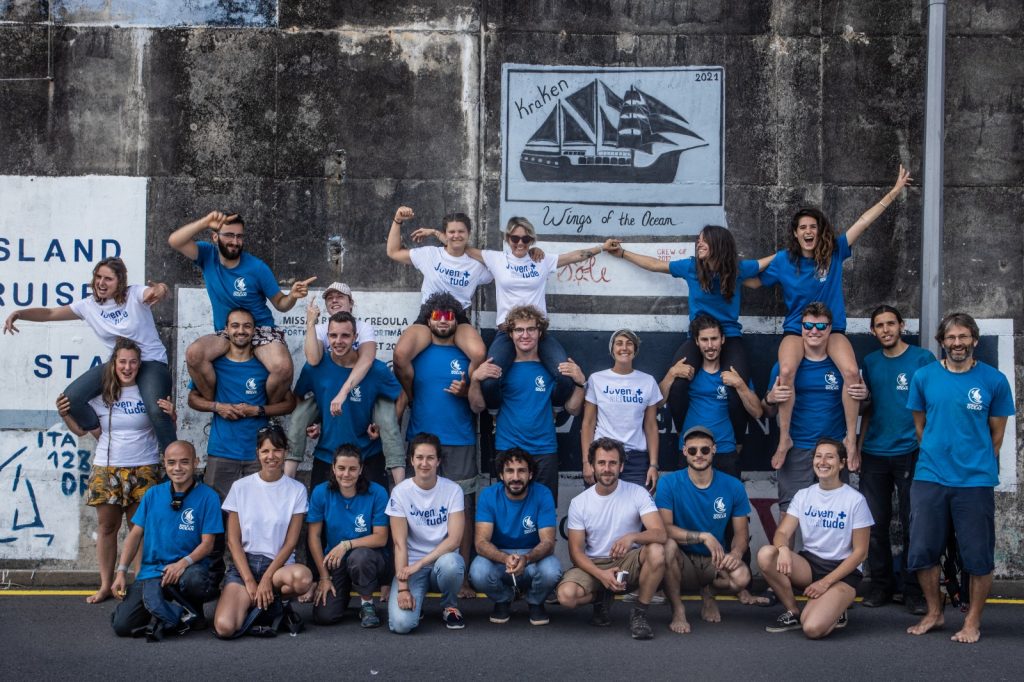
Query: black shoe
{"points": [[602, 607], [784, 623], [501, 613], [876, 597], [842, 620], [538, 615], [639, 628], [915, 604]]}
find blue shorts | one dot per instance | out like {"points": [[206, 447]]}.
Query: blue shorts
{"points": [[973, 513], [258, 565]]}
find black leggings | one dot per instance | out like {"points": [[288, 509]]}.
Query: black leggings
{"points": [[733, 355]]}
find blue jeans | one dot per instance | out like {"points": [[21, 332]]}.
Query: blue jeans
{"points": [[445, 576], [537, 580], [145, 599], [154, 382], [503, 353]]}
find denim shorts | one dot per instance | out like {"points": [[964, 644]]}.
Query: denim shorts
{"points": [[258, 565]]}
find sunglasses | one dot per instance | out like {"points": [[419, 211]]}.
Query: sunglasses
{"points": [[273, 426], [442, 315], [703, 449], [517, 239], [820, 326]]}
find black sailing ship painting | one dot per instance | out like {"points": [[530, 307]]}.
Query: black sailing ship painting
{"points": [[594, 135]]}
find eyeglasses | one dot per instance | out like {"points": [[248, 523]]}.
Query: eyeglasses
{"points": [[519, 331], [517, 239], [703, 449], [442, 315], [820, 326], [962, 338], [233, 236]]}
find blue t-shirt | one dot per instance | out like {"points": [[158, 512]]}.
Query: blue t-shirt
{"points": [[891, 429], [712, 302], [525, 420], [709, 406], [956, 446], [347, 518], [710, 510], [818, 410], [247, 285], [238, 382], [516, 522], [802, 284], [324, 381], [169, 535], [434, 410]]}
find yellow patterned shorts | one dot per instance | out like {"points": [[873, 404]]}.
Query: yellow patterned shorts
{"points": [[123, 486]]}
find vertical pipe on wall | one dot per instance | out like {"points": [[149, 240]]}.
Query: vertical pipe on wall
{"points": [[931, 213]]}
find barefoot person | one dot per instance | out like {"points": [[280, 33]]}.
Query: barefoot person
{"points": [[960, 409], [835, 524]]}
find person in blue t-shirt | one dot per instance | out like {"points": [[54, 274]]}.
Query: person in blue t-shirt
{"points": [[816, 404], [515, 539], [354, 424], [811, 269], [526, 419], [888, 446], [713, 277], [240, 407], [176, 524], [236, 279], [698, 505], [347, 538], [960, 410]]}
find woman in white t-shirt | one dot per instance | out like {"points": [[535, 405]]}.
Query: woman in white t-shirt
{"points": [[126, 462], [114, 310], [265, 514], [622, 403], [835, 524]]}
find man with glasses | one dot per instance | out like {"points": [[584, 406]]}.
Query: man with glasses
{"points": [[526, 419], [236, 279], [818, 407], [960, 410], [697, 505]]}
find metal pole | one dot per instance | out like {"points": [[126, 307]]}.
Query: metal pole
{"points": [[931, 213]]}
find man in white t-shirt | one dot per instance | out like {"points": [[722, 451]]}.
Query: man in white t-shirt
{"points": [[427, 522], [616, 542]]}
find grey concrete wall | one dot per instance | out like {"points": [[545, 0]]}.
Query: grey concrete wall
{"points": [[315, 118]]}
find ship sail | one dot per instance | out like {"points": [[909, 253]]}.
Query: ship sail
{"points": [[583, 102], [548, 131]]}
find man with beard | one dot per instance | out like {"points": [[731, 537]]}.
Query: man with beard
{"points": [[888, 450], [616, 542], [960, 409], [697, 505], [515, 539], [355, 423], [439, 405], [236, 279]]}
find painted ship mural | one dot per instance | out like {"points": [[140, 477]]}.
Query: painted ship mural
{"points": [[593, 135]]}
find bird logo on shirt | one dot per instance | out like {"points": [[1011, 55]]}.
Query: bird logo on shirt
{"points": [[251, 388], [901, 382], [188, 520], [719, 507], [974, 395], [356, 395], [240, 289], [456, 366], [722, 395], [539, 384], [831, 381], [528, 524], [360, 526]]}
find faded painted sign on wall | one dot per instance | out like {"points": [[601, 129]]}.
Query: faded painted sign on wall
{"points": [[53, 231], [605, 275], [628, 151], [149, 13]]}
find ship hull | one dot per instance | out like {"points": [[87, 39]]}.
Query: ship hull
{"points": [[553, 167]]}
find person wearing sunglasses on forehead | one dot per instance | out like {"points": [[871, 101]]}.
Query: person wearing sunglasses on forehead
{"points": [[175, 525], [698, 505], [816, 400]]}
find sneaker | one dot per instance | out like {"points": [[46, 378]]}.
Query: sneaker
{"points": [[842, 620], [602, 607], [784, 623], [656, 598], [501, 613], [638, 625], [368, 617], [876, 597], [538, 615], [453, 619], [915, 604]]}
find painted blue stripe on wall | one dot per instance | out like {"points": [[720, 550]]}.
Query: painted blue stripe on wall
{"points": [[257, 13]]}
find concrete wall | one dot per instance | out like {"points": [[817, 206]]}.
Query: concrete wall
{"points": [[315, 119]]}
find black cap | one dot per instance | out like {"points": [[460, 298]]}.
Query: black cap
{"points": [[698, 431]]}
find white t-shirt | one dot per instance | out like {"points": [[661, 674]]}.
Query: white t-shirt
{"points": [[265, 510], [133, 320], [621, 400], [365, 333], [519, 281], [444, 272], [128, 428], [828, 519], [606, 518], [426, 512]]}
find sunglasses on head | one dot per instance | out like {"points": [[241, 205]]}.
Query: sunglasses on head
{"points": [[517, 239], [268, 428], [703, 449], [442, 315], [820, 326]]}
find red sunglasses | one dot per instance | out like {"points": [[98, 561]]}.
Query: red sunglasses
{"points": [[442, 315]]}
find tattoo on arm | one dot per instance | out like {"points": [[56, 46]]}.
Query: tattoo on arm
{"points": [[691, 537]]}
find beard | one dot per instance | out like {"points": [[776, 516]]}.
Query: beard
{"points": [[445, 333], [229, 252]]}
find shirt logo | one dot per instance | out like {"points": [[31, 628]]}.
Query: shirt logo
{"points": [[356, 395], [831, 381], [116, 316], [188, 520], [360, 526], [721, 393], [456, 366], [457, 278], [130, 407], [523, 271], [826, 518], [719, 507], [901, 382], [624, 395], [240, 289], [429, 517], [250, 386], [528, 525], [976, 399], [539, 384]]}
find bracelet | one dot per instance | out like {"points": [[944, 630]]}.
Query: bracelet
{"points": [[653, 466], [883, 204], [579, 385], [405, 590], [121, 568], [769, 403], [214, 407], [188, 558]]}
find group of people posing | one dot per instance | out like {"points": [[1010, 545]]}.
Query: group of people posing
{"points": [[930, 431]]}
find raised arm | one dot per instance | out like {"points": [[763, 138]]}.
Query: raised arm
{"points": [[869, 216], [61, 314], [614, 247], [285, 302], [578, 255], [312, 347], [395, 250], [182, 239]]}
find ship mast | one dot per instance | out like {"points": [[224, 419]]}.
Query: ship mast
{"points": [[597, 123]]}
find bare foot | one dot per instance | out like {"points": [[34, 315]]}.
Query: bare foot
{"points": [[709, 609], [308, 596], [750, 600], [101, 595], [929, 622], [467, 592], [679, 625], [385, 592], [967, 635]]}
